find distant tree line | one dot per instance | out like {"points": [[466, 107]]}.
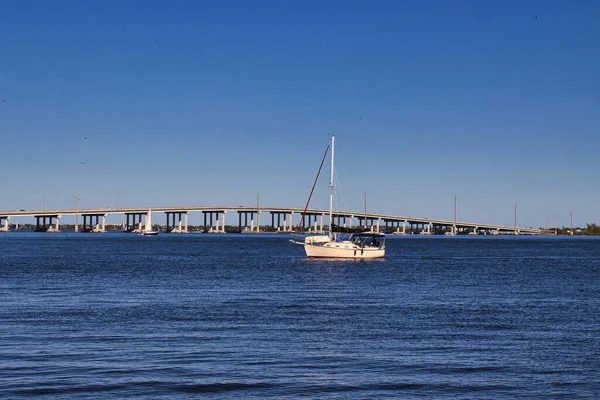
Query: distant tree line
{"points": [[589, 230]]}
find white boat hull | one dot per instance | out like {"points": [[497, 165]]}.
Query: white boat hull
{"points": [[342, 250]]}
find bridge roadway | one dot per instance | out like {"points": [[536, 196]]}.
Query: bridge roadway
{"points": [[359, 216]]}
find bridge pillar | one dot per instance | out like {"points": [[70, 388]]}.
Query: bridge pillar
{"points": [[340, 220], [275, 227], [215, 228], [279, 227], [248, 228], [4, 223], [310, 221], [49, 223], [88, 224], [287, 227], [134, 221], [174, 222]]}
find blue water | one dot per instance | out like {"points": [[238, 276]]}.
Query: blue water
{"points": [[220, 316]]}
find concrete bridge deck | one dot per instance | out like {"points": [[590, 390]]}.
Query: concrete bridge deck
{"points": [[353, 218]]}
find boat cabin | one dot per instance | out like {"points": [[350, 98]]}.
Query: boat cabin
{"points": [[364, 239]]}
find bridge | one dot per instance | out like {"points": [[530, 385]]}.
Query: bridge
{"points": [[282, 220]]}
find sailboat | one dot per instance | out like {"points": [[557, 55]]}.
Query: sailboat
{"points": [[359, 245], [147, 231]]}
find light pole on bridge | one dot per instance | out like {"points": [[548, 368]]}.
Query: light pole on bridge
{"points": [[515, 218], [365, 194], [454, 227], [77, 212], [257, 212], [571, 215]]}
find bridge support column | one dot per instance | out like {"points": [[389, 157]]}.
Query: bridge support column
{"points": [[134, 221], [279, 227], [4, 223], [311, 221], [91, 223], [49, 223], [215, 228], [174, 221], [245, 228]]}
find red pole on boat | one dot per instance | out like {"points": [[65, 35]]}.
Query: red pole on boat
{"points": [[312, 190]]}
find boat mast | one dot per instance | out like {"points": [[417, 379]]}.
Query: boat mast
{"points": [[331, 188]]}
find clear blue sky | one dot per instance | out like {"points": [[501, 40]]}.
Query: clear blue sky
{"points": [[152, 103]]}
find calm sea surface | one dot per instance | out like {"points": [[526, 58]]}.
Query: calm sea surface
{"points": [[218, 316]]}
